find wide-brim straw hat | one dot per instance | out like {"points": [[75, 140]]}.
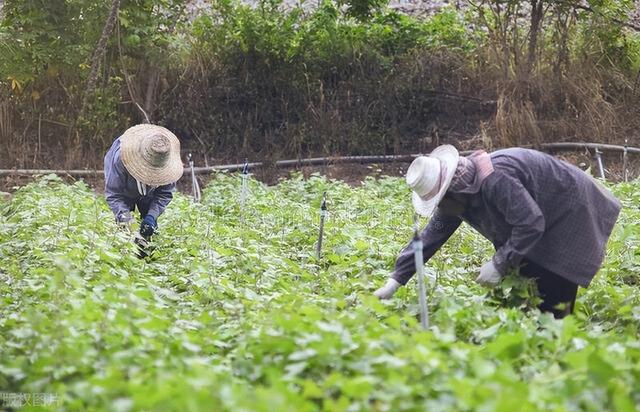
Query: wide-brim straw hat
{"points": [[151, 154], [430, 177]]}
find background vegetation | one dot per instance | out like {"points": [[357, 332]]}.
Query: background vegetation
{"points": [[347, 77]]}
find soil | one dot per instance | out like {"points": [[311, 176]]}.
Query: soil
{"points": [[352, 174]]}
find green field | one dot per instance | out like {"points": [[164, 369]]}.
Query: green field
{"points": [[234, 312]]}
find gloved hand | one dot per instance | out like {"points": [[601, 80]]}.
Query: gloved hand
{"points": [[125, 220], [388, 289], [148, 226], [489, 275]]}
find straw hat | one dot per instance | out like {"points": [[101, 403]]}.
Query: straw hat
{"points": [[151, 154], [430, 176]]}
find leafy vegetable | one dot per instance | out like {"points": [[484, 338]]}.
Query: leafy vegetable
{"points": [[234, 312]]}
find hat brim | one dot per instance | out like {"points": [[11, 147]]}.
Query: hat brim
{"points": [[449, 156], [141, 170]]}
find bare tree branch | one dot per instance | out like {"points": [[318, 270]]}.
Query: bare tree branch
{"points": [[99, 52], [156, 71], [127, 79]]}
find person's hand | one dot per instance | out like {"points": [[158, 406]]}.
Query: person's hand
{"points": [[148, 226], [489, 275], [388, 289], [125, 221]]}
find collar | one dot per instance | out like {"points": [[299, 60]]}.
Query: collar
{"points": [[472, 171]]}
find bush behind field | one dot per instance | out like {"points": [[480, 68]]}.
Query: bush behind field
{"points": [[266, 82]]}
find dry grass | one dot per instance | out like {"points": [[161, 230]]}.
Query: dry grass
{"points": [[587, 104], [516, 122]]}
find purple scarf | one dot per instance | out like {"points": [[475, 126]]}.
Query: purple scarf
{"points": [[471, 172]]}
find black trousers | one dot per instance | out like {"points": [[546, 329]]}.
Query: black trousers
{"points": [[557, 293], [142, 204]]}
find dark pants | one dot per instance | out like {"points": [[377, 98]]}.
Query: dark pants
{"points": [[142, 204], [557, 293]]}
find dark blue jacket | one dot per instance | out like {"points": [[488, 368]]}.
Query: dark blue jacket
{"points": [[123, 191]]}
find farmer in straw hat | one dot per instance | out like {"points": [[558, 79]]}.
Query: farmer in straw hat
{"points": [[545, 218], [141, 170]]}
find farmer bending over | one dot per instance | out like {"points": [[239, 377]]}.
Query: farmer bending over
{"points": [[544, 217], [141, 170]]}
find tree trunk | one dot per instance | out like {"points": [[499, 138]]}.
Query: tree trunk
{"points": [[563, 21], [537, 13]]}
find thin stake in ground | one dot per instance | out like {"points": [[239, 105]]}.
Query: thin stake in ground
{"points": [[600, 163], [245, 188], [422, 293], [323, 214], [625, 171], [195, 186]]}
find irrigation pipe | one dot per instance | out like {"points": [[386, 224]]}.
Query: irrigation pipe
{"points": [[320, 161]]}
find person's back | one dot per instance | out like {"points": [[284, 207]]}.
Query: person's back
{"points": [[141, 169], [547, 219], [579, 212]]}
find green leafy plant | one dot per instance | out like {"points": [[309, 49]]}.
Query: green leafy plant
{"points": [[234, 311]]}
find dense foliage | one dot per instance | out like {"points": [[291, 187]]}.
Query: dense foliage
{"points": [[347, 76], [234, 312]]}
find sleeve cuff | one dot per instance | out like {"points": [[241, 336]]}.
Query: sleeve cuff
{"points": [[400, 279], [153, 213]]}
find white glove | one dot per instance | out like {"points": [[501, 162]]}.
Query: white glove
{"points": [[388, 289], [125, 221], [489, 275]]}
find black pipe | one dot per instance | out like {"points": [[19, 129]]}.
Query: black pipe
{"points": [[320, 161]]}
